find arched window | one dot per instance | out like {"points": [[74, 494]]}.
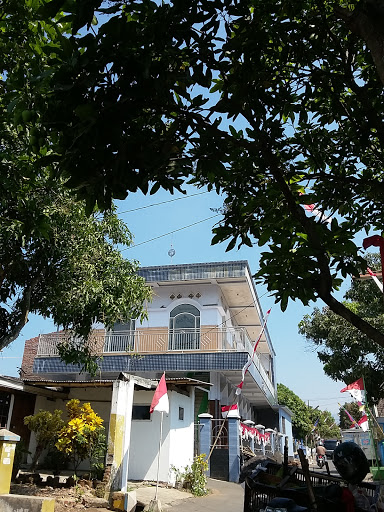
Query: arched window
{"points": [[184, 328]]}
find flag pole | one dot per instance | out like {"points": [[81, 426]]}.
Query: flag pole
{"points": [[159, 453], [370, 423]]}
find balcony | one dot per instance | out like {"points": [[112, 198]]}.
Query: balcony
{"points": [[161, 341]]}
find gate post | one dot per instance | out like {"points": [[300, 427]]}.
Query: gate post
{"points": [[233, 448], [205, 436], [271, 433], [261, 429], [8, 442]]}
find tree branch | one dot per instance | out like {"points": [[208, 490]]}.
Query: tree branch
{"points": [[25, 304], [366, 21], [363, 326]]}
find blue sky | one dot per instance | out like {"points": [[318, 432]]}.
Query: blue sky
{"points": [[297, 366]]}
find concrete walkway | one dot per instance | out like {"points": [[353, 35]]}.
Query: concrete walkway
{"points": [[224, 497]]}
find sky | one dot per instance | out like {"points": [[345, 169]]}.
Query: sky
{"points": [[297, 365]]}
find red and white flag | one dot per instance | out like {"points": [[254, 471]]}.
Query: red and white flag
{"points": [[250, 359], [317, 213], [229, 411], [160, 402], [363, 423], [356, 389], [374, 277]]}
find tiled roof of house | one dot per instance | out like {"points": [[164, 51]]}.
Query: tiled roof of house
{"points": [[380, 408]]}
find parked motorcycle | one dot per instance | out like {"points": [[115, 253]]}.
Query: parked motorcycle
{"points": [[320, 459]]}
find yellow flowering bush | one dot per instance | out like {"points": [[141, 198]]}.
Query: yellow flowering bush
{"points": [[82, 434]]}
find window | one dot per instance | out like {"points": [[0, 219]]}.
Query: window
{"points": [[121, 338], [141, 412], [5, 400], [181, 413], [184, 328], [283, 425]]}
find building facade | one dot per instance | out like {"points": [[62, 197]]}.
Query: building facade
{"points": [[202, 323]]}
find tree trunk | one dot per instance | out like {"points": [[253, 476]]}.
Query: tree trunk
{"points": [[35, 458], [367, 22], [23, 312]]}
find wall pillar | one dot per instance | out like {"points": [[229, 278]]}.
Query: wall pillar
{"points": [[8, 442], [234, 448], [205, 436], [120, 433]]}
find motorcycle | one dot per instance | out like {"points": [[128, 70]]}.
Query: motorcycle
{"points": [[320, 459]]}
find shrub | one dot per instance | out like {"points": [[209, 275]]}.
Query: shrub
{"points": [[46, 427], [194, 476], [79, 437]]}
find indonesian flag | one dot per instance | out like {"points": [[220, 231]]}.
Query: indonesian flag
{"points": [[230, 411], [374, 277], [363, 423], [376, 241], [250, 359], [356, 389], [160, 402], [317, 213]]}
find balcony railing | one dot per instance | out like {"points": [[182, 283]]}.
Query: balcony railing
{"points": [[149, 340]]}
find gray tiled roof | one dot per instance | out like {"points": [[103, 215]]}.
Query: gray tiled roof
{"points": [[193, 271]]}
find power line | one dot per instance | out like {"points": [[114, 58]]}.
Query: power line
{"points": [[163, 202], [170, 232]]}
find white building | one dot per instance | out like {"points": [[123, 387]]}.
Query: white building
{"points": [[202, 324]]}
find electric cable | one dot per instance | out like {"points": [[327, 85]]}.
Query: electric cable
{"points": [[163, 202], [170, 232]]}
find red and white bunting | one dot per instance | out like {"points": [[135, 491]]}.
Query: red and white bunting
{"points": [[252, 432]]}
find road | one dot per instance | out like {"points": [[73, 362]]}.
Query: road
{"points": [[332, 469]]}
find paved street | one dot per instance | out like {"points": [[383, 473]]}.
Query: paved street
{"points": [[225, 497], [332, 469]]}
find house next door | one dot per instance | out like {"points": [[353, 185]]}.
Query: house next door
{"points": [[184, 328]]}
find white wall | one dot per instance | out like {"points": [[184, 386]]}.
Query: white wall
{"points": [[288, 430], [182, 433], [145, 435], [209, 304]]}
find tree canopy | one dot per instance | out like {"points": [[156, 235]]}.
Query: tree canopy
{"points": [[59, 262], [345, 352], [278, 105], [56, 259], [306, 420]]}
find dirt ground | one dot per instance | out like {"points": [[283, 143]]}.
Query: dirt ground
{"points": [[73, 499]]}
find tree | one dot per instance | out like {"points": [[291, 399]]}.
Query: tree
{"points": [[306, 420], [56, 259], [353, 409], [345, 352], [278, 105], [61, 263], [46, 427]]}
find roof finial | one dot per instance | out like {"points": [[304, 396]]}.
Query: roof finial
{"points": [[171, 252]]}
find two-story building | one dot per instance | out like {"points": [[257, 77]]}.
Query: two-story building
{"points": [[202, 324]]}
